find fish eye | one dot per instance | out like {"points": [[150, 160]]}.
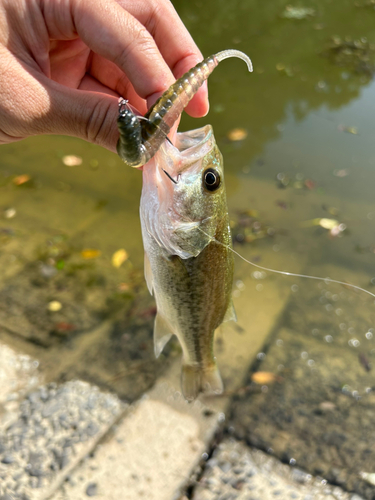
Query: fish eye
{"points": [[211, 179]]}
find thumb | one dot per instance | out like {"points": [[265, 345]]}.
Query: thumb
{"points": [[34, 104], [92, 116]]}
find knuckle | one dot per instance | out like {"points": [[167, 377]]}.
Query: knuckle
{"points": [[141, 43], [123, 85]]}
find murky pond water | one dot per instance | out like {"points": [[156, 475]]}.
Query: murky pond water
{"points": [[300, 185]]}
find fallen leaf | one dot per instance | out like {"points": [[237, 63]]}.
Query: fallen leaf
{"points": [[298, 13], [90, 253], [310, 184], [54, 306], [21, 179], [119, 257], [124, 287], [341, 173], [9, 213], [327, 223], [349, 130], [262, 378], [71, 160], [237, 134]]}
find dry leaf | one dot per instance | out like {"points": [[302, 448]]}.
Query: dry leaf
{"points": [[71, 160], [124, 287], [119, 257], [327, 223], [9, 213], [263, 378], [349, 130], [90, 253], [54, 306], [21, 179], [237, 134]]}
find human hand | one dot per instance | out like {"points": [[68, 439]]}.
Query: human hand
{"points": [[64, 63]]}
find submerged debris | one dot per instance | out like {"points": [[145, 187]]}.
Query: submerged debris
{"points": [[297, 181], [90, 253], [264, 378], [237, 134], [9, 213], [119, 257], [299, 13], [358, 56], [334, 227], [343, 172], [21, 179], [247, 227], [54, 306], [72, 160], [349, 130]]}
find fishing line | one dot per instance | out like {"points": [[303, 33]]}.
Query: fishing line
{"points": [[286, 273], [276, 271]]}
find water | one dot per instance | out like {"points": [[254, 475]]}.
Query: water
{"points": [[308, 155]]}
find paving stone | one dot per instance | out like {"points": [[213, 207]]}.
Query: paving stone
{"points": [[56, 427], [252, 474], [317, 411], [18, 375], [163, 439]]}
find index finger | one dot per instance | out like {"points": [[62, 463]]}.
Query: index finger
{"points": [[174, 42], [113, 30]]}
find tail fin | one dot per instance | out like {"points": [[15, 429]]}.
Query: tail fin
{"points": [[195, 379]]}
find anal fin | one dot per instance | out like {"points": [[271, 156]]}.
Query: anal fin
{"points": [[162, 333], [230, 313]]}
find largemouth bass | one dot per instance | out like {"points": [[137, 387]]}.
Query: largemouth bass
{"points": [[188, 261], [185, 226]]}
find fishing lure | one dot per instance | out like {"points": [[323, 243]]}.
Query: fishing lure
{"points": [[142, 136]]}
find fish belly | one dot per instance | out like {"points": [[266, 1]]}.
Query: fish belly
{"points": [[192, 297]]}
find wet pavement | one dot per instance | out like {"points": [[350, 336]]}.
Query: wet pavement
{"points": [[50, 435], [237, 472], [314, 406]]}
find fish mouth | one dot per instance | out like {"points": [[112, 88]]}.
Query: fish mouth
{"points": [[189, 148], [199, 141]]}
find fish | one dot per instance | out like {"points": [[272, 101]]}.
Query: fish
{"points": [[188, 258], [185, 225], [140, 137]]}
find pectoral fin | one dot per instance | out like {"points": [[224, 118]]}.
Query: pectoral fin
{"points": [[148, 274], [162, 333], [230, 314]]}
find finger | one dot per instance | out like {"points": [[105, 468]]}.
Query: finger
{"points": [[68, 61], [34, 104], [88, 114], [90, 84], [116, 35], [111, 76], [174, 42], [111, 31]]}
